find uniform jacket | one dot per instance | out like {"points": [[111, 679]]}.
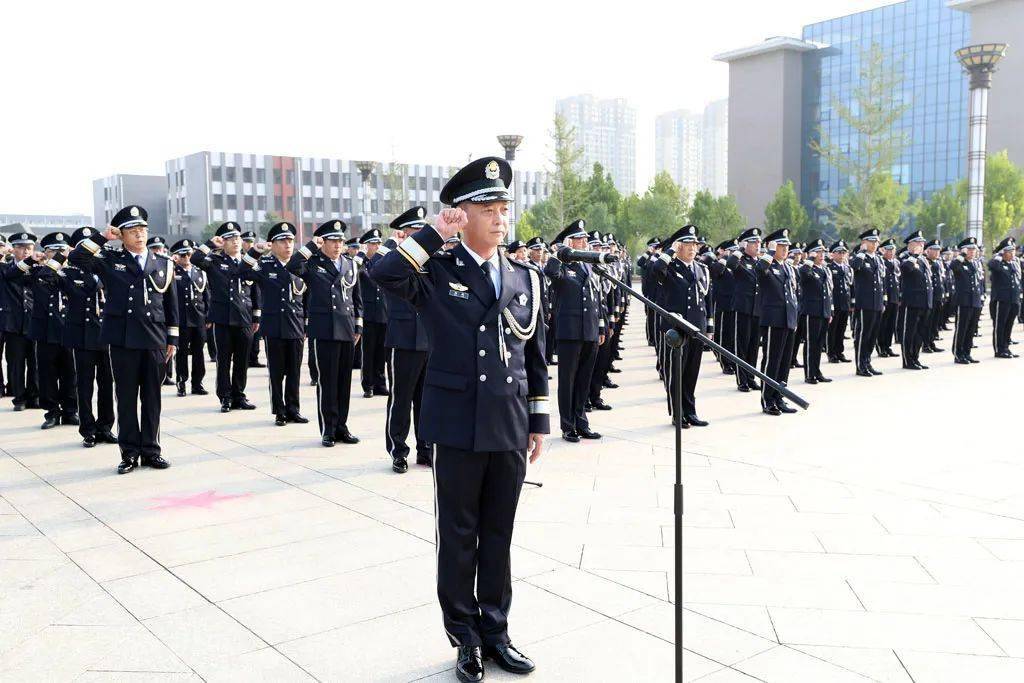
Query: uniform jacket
{"points": [[915, 282], [580, 313], [486, 387], [233, 298], [83, 310], [842, 282], [1006, 285], [334, 308], [193, 296], [685, 290], [935, 270], [15, 298], [47, 324], [745, 293], [375, 309], [892, 280], [815, 290], [406, 330], [777, 287], [141, 307], [868, 281], [282, 296], [967, 284]]}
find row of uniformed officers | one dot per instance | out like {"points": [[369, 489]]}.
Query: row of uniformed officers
{"points": [[776, 300]]}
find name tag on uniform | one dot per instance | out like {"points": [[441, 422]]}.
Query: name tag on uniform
{"points": [[570, 273], [223, 266], [177, 277], [272, 276], [747, 266], [321, 269], [119, 267], [457, 294]]}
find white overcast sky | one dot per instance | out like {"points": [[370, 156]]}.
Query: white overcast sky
{"points": [[96, 88]]}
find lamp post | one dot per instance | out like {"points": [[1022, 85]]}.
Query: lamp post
{"points": [[938, 231], [979, 61], [365, 169], [510, 143]]}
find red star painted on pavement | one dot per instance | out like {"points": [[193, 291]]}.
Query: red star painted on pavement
{"points": [[196, 500]]}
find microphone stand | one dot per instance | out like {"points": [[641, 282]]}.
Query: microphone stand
{"points": [[676, 334]]}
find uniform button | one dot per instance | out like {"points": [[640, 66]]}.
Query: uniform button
{"points": [[147, 314], [508, 380], [508, 331], [130, 299], [483, 378], [482, 353], [584, 310], [483, 328], [129, 310]]}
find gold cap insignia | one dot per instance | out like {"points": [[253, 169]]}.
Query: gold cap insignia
{"points": [[492, 172]]}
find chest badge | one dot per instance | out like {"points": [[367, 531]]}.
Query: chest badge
{"points": [[523, 299], [458, 286], [119, 267]]}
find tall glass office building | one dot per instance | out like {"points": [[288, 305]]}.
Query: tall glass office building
{"points": [[919, 36]]}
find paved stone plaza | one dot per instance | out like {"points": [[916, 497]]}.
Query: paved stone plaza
{"points": [[878, 536]]}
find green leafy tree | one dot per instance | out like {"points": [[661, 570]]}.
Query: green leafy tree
{"points": [[269, 221], [867, 154], [660, 211], [210, 230], [1004, 197], [785, 211], [944, 207], [567, 195], [718, 218]]}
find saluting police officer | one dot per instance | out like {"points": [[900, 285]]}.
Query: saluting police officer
{"points": [[83, 322], [17, 304], [408, 347], [249, 240], [722, 286], [537, 255], [842, 301], [193, 304], [234, 312], [967, 296], [281, 320], [932, 252], [484, 404], [686, 291], [869, 300], [335, 323], [777, 288], [375, 318], [140, 323], [580, 328], [55, 363], [746, 303], [816, 308], [1006, 295], [891, 281], [915, 300], [158, 245]]}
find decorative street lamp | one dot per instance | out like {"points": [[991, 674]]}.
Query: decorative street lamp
{"points": [[510, 143], [979, 61], [365, 169]]}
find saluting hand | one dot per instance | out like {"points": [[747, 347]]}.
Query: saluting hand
{"points": [[112, 233], [318, 241], [262, 247], [398, 235], [38, 257], [217, 241], [450, 222]]}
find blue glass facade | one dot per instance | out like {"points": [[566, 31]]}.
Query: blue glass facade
{"points": [[920, 36]]}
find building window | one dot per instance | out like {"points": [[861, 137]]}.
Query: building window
{"points": [[215, 174], [318, 178], [307, 178], [334, 178], [423, 182], [229, 174], [346, 205], [277, 176], [320, 205], [335, 205], [246, 175], [261, 203], [218, 201], [307, 203], [261, 175], [437, 184], [247, 203], [232, 202]]}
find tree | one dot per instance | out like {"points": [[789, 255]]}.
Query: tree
{"points": [[661, 211], [866, 153], [567, 190], [1004, 197], [210, 230], [785, 211], [269, 221], [601, 201], [944, 206], [394, 185], [718, 218]]}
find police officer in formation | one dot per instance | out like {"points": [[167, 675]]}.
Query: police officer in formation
{"points": [[722, 286], [580, 322], [16, 306], [967, 295], [282, 318], [140, 324], [936, 270], [915, 300], [777, 283], [249, 240], [746, 303], [85, 299], [408, 347], [891, 281], [1004, 269], [375, 319], [193, 306], [486, 309], [335, 322], [816, 309], [234, 312], [869, 300], [842, 301]]}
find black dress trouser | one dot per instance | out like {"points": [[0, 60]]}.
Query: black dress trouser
{"points": [[813, 345], [688, 358], [836, 332], [406, 370], [232, 360], [138, 375], [475, 500], [576, 360], [1003, 314], [778, 351], [57, 393], [284, 361], [865, 336], [912, 333], [887, 326], [21, 368], [747, 335], [374, 356], [92, 368], [190, 348], [333, 361]]}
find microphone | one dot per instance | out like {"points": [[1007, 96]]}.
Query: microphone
{"points": [[567, 255]]}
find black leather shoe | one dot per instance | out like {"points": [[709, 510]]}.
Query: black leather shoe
{"points": [[785, 407], [168, 382], [823, 378], [50, 423], [298, 419], [18, 407], [106, 437], [614, 371], [608, 384], [861, 372], [571, 437], [345, 436], [843, 359], [972, 360], [377, 391], [242, 404], [327, 441], [729, 371], [89, 441], [257, 364], [399, 464], [199, 391], [588, 407], [313, 383], [696, 421], [872, 370], [754, 384], [368, 394], [127, 465], [921, 366], [424, 459], [796, 364], [181, 388], [469, 664], [588, 433], [32, 404], [280, 420], [71, 420], [961, 361], [743, 387], [912, 366], [601, 405], [1004, 354], [225, 406], [771, 410], [157, 462], [509, 658], [810, 380]]}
